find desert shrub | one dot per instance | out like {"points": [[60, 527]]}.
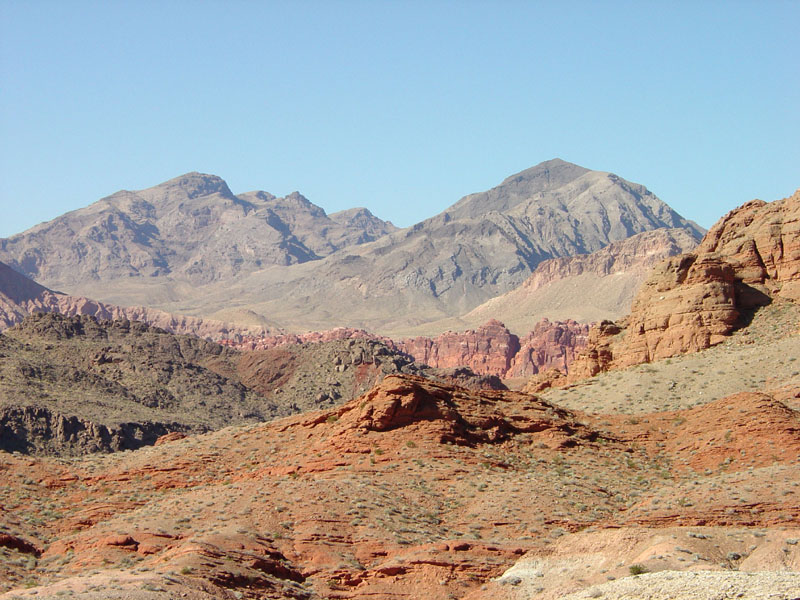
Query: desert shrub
{"points": [[637, 569]]}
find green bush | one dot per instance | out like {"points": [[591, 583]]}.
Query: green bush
{"points": [[637, 569]]}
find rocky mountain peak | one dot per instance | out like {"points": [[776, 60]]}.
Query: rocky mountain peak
{"points": [[194, 185], [256, 197], [165, 240], [549, 172], [297, 199]]}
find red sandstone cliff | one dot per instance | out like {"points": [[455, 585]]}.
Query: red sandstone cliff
{"points": [[494, 350], [551, 345], [692, 301], [490, 349]]}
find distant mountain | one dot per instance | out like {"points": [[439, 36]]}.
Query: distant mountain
{"points": [[191, 228], [485, 245], [190, 246]]}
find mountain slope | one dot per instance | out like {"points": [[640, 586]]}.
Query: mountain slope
{"points": [[190, 228], [585, 287], [190, 246], [485, 245], [72, 385], [20, 297]]}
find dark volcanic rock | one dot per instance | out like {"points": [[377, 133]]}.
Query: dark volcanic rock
{"points": [[35, 430], [75, 384]]}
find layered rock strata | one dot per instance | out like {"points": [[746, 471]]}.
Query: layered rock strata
{"points": [[693, 301]]}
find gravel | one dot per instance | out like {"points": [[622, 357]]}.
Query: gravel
{"points": [[698, 585]]}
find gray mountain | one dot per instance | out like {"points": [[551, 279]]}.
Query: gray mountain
{"points": [[191, 228], [189, 246]]}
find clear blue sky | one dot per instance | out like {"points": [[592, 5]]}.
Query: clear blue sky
{"points": [[402, 107]]}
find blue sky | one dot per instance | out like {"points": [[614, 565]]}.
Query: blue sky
{"points": [[402, 107]]}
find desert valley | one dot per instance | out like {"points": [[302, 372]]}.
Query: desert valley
{"points": [[556, 388]]}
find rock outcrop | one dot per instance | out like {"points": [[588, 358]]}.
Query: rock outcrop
{"points": [[493, 350], [454, 415], [693, 301], [549, 346], [688, 304], [38, 430], [488, 350]]}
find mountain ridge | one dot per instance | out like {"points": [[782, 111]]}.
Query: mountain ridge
{"points": [[188, 246]]}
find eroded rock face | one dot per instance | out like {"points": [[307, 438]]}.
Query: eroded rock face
{"points": [[598, 355], [693, 301], [490, 349], [549, 346], [687, 304], [761, 241], [494, 350], [458, 415], [37, 430]]}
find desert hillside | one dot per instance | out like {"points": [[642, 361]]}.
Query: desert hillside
{"points": [[643, 473]]}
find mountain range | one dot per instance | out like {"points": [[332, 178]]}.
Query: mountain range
{"points": [[665, 467], [662, 463], [190, 246]]}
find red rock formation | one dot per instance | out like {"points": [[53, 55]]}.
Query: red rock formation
{"points": [[548, 346], [489, 350], [692, 301], [761, 241], [598, 354], [494, 350], [687, 304], [451, 414], [414, 490]]}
